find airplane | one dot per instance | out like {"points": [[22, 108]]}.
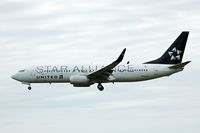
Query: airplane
{"points": [[86, 75]]}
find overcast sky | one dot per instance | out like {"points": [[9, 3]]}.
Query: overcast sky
{"points": [[36, 32]]}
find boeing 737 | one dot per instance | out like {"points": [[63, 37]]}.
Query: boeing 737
{"points": [[86, 75]]}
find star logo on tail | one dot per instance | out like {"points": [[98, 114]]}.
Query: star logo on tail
{"points": [[175, 54]]}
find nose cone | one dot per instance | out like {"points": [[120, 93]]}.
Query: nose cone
{"points": [[14, 76]]}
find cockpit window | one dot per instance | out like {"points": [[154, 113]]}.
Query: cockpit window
{"points": [[22, 71]]}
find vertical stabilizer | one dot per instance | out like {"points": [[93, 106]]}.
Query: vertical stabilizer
{"points": [[175, 52]]}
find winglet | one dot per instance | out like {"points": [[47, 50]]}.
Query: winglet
{"points": [[120, 58]]}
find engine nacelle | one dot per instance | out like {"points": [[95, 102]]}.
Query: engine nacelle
{"points": [[79, 80]]}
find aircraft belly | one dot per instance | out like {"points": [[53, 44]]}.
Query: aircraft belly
{"points": [[131, 77]]}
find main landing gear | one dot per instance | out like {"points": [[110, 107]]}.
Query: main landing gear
{"points": [[100, 87]]}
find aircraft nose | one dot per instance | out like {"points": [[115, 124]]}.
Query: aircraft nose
{"points": [[14, 76]]}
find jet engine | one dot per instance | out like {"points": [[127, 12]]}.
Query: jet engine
{"points": [[79, 81]]}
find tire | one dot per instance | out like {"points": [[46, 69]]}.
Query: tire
{"points": [[100, 87]]}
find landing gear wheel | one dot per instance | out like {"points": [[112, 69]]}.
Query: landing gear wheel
{"points": [[29, 87], [100, 87]]}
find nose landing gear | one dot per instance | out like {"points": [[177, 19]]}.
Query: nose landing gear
{"points": [[100, 87], [29, 87]]}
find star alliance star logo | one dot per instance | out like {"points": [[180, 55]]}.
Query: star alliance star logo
{"points": [[175, 54]]}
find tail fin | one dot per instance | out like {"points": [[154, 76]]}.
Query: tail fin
{"points": [[174, 53]]}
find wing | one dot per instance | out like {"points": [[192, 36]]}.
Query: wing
{"points": [[104, 73]]}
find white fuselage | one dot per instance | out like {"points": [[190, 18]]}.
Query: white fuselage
{"points": [[121, 73], [86, 75]]}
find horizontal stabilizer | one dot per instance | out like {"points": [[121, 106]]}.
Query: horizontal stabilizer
{"points": [[180, 65]]}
